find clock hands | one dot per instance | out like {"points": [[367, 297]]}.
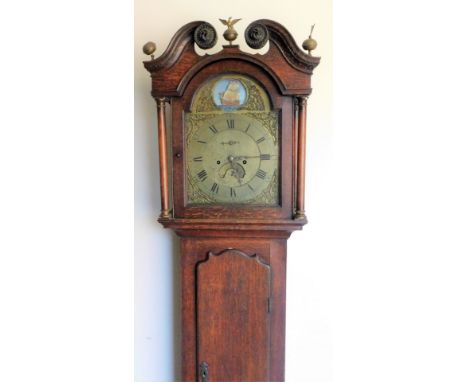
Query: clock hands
{"points": [[240, 157], [236, 170]]}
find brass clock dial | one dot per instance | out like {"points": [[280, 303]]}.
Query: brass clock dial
{"points": [[232, 146], [232, 159]]}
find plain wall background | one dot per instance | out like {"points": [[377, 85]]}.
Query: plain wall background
{"points": [[156, 252]]}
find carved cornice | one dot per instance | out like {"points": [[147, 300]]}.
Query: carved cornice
{"points": [[280, 36], [183, 37], [285, 62]]}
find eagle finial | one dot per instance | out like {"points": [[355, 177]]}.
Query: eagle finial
{"points": [[229, 22], [230, 34]]}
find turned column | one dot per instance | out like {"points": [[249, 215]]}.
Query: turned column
{"points": [[301, 156], [161, 105]]}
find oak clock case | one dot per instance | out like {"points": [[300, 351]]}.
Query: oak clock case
{"points": [[236, 192]]}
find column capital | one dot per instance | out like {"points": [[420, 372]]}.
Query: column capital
{"points": [[302, 100], [161, 102]]}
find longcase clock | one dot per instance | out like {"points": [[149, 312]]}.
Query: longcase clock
{"points": [[232, 188]]}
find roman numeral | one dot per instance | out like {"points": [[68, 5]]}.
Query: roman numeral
{"points": [[265, 156], [202, 175], [260, 140], [215, 188], [261, 174], [197, 159], [233, 193], [213, 129], [248, 127], [230, 123]]}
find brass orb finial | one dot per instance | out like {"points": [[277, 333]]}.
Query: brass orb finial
{"points": [[149, 48], [310, 44], [230, 34]]}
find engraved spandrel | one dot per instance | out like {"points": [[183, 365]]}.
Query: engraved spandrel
{"points": [[193, 121], [269, 120]]}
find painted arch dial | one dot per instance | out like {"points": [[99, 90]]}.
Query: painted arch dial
{"points": [[232, 158]]}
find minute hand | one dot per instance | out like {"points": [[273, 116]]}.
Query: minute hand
{"points": [[249, 156]]}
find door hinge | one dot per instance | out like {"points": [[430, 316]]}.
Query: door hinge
{"points": [[204, 372]]}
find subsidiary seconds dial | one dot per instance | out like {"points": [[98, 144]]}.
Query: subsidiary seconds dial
{"points": [[233, 158]]}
